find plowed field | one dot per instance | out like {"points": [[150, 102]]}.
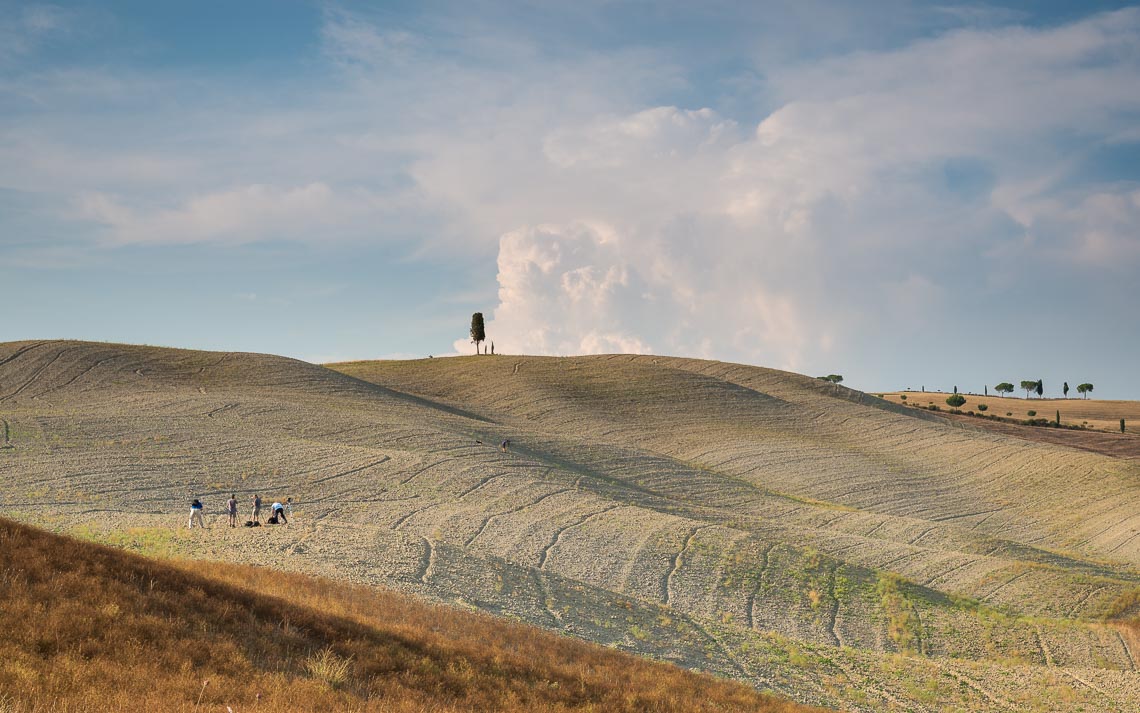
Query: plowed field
{"points": [[809, 539]]}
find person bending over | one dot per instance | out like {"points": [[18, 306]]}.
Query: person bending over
{"points": [[196, 514]]}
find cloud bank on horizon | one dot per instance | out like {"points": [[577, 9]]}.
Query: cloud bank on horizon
{"points": [[788, 184]]}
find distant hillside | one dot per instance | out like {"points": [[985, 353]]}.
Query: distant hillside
{"points": [[87, 627], [1100, 414], [1099, 420], [803, 537]]}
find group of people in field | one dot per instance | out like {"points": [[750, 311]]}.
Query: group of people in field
{"points": [[279, 513]]}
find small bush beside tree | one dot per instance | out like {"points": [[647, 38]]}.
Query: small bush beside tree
{"points": [[956, 400]]}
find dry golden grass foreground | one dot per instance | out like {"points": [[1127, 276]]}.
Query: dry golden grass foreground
{"points": [[88, 627]]}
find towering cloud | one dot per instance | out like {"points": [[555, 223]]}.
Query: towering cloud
{"points": [[883, 187]]}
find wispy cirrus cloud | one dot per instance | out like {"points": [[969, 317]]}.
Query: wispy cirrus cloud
{"points": [[245, 214], [26, 28]]}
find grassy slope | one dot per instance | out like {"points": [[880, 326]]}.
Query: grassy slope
{"points": [[86, 626]]}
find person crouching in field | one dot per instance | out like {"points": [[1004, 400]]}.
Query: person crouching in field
{"points": [[196, 514], [278, 516], [231, 508]]}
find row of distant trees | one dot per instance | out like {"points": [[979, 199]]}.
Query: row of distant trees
{"points": [[1032, 386]]}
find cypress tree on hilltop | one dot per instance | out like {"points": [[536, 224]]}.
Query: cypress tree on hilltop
{"points": [[478, 333]]}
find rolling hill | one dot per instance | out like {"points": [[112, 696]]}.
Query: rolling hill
{"points": [[808, 539]]}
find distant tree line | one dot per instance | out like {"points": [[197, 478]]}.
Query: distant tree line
{"points": [[1030, 386], [1037, 386]]}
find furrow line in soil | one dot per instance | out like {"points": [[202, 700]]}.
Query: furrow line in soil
{"points": [[677, 561], [764, 554], [36, 374], [487, 521], [557, 536]]}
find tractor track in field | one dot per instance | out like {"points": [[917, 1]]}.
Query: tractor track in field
{"points": [[35, 375], [764, 555], [556, 538], [677, 561]]}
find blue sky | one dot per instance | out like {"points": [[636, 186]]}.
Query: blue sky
{"points": [[909, 194]]}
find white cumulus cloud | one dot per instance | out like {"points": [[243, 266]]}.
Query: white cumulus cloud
{"points": [[885, 183]]}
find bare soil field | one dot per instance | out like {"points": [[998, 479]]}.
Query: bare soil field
{"points": [[764, 526]]}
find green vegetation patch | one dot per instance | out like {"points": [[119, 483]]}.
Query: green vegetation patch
{"points": [[161, 542], [904, 626]]}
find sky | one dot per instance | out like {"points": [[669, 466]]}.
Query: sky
{"points": [[906, 193]]}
